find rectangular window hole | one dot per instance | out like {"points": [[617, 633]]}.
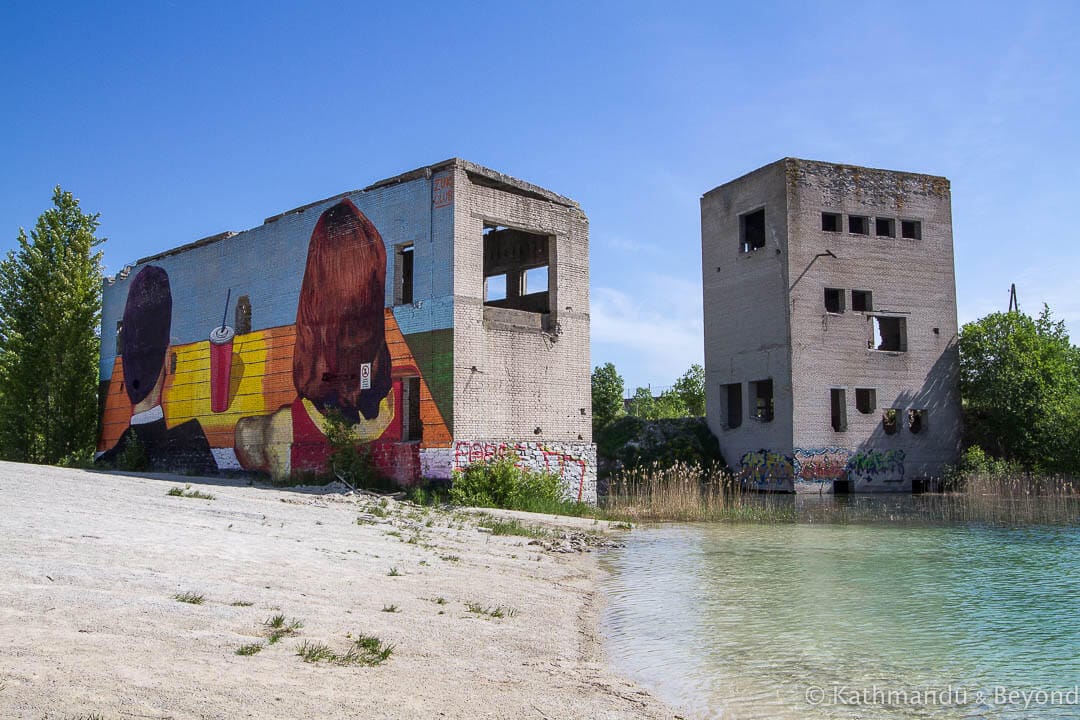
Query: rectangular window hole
{"points": [[838, 404], [884, 227], [862, 300], [403, 294], [888, 421], [731, 405], [763, 400], [412, 429], [911, 229], [858, 225], [834, 300], [516, 269], [916, 421], [865, 400], [830, 222], [889, 333], [752, 231]]}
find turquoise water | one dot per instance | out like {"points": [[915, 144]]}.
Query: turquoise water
{"points": [[850, 621]]}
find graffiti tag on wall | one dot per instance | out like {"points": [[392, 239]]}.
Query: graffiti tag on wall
{"points": [[762, 469], [883, 466], [836, 463], [821, 464], [530, 455]]}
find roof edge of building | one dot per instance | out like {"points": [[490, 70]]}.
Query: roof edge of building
{"points": [[796, 162]]}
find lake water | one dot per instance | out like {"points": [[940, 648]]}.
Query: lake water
{"points": [[860, 620]]}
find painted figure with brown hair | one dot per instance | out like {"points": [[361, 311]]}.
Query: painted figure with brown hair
{"points": [[340, 329]]}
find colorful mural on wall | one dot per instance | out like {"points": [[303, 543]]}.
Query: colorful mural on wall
{"points": [[821, 464], [828, 464], [876, 466], [258, 400]]}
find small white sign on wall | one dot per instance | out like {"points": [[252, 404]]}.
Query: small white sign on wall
{"points": [[365, 376]]}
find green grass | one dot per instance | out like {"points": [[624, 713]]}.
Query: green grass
{"points": [[365, 650], [280, 627], [242, 603], [390, 608], [439, 600], [187, 492], [450, 558], [249, 649], [513, 527], [394, 572], [192, 598], [492, 612]]}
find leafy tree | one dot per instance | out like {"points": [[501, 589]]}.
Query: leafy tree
{"points": [[691, 390], [50, 312], [607, 395], [642, 404], [1020, 380]]}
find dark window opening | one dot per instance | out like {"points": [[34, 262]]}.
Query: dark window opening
{"points": [[888, 421], [834, 300], [911, 229], [885, 227], [830, 222], [731, 402], [242, 315], [838, 403], [516, 269], [841, 487], [752, 231], [890, 333], [858, 225], [404, 271], [763, 400], [865, 400], [411, 427], [916, 420], [862, 300]]}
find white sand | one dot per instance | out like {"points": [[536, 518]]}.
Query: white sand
{"points": [[90, 562]]}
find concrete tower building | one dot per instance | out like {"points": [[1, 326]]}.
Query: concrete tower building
{"points": [[830, 327]]}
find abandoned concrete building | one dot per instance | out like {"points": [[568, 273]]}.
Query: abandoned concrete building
{"points": [[442, 314], [830, 327]]}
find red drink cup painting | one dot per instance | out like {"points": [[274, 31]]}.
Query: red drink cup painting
{"points": [[221, 348]]}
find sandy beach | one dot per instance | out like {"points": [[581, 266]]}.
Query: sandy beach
{"points": [[90, 624]]}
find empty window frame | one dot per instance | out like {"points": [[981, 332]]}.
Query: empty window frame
{"points": [[865, 400], [916, 420], [838, 408], [731, 405], [242, 315], [858, 225], [834, 300], [403, 275], [763, 400], [888, 333], [752, 231], [411, 427], [517, 269], [831, 222], [862, 300], [911, 229], [888, 421], [884, 227]]}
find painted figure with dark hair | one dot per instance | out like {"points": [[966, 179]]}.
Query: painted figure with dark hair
{"points": [[340, 334], [144, 345]]}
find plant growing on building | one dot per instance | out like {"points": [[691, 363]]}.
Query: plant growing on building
{"points": [[1020, 381], [350, 461], [500, 483], [50, 312]]}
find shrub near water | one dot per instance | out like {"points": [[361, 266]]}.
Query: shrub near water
{"points": [[500, 483]]}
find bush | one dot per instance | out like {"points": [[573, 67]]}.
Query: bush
{"points": [[500, 483], [350, 461], [632, 442], [133, 456]]}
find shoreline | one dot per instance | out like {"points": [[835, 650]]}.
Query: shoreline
{"points": [[482, 625]]}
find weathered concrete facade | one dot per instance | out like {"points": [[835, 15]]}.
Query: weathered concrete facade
{"points": [[444, 311], [830, 326]]}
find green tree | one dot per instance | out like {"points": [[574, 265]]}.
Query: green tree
{"points": [[50, 313], [1020, 380], [691, 390], [607, 395]]}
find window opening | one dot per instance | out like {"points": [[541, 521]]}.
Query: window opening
{"points": [[916, 421], [516, 269], [763, 400], [830, 222], [858, 225], [834, 300], [406, 255], [884, 227], [888, 421], [865, 400], [890, 333], [862, 300], [752, 231], [911, 229], [838, 403], [731, 404]]}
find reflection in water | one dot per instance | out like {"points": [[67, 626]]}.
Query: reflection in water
{"points": [[740, 621]]}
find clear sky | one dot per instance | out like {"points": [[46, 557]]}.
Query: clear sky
{"points": [[177, 120]]}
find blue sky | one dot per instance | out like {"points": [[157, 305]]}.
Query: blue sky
{"points": [[177, 120]]}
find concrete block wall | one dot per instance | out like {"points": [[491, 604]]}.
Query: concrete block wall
{"points": [[770, 302]]}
